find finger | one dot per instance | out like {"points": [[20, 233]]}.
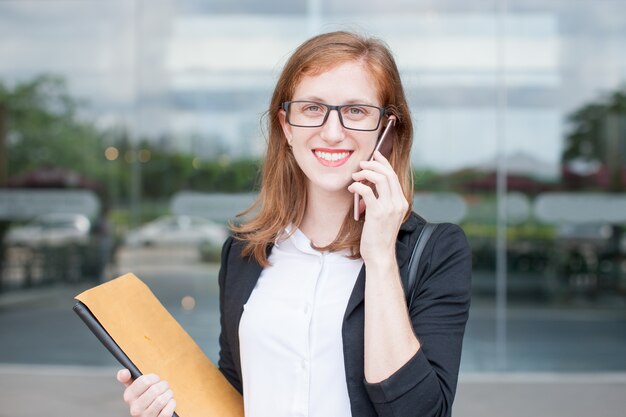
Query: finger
{"points": [[159, 403], [379, 157], [379, 180], [366, 192], [394, 179], [378, 161], [371, 176], [123, 376], [143, 403], [168, 411], [383, 166], [379, 168], [361, 206], [139, 386], [390, 201]]}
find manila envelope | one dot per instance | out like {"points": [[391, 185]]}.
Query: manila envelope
{"points": [[155, 342]]}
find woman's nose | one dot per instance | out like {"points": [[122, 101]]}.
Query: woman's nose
{"points": [[333, 131]]}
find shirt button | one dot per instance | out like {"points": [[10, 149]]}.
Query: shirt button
{"points": [[303, 364], [306, 309]]}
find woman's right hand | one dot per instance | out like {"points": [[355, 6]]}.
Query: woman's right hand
{"points": [[147, 396]]}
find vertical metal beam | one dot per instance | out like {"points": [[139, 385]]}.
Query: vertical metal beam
{"points": [[4, 160], [613, 157], [135, 174], [314, 16], [501, 187]]}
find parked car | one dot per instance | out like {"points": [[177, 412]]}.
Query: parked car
{"points": [[53, 229], [178, 230], [590, 257]]}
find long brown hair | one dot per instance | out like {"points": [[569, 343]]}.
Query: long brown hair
{"points": [[282, 198]]}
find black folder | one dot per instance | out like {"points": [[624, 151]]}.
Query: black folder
{"points": [[143, 336], [103, 336]]}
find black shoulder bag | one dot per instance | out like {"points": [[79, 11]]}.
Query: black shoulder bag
{"points": [[414, 261]]}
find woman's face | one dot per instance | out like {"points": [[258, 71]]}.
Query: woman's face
{"points": [[329, 154]]}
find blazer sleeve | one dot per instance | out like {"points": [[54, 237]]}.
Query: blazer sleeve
{"points": [[225, 363], [426, 384]]}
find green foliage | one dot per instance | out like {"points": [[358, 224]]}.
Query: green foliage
{"points": [[225, 176], [43, 129], [586, 138], [597, 136], [526, 231], [165, 173], [430, 180], [425, 180]]}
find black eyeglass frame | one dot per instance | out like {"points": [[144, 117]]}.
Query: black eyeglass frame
{"points": [[383, 112]]}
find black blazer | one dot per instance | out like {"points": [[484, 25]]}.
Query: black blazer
{"points": [[426, 384]]}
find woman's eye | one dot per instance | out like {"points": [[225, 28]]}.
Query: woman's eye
{"points": [[312, 109], [356, 111]]}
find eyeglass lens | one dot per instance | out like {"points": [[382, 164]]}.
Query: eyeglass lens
{"points": [[352, 116]]}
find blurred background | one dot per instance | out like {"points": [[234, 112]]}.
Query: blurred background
{"points": [[131, 132]]}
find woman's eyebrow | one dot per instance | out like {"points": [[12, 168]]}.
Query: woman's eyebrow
{"points": [[321, 100]]}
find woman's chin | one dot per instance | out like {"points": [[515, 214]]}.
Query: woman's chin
{"points": [[331, 186]]}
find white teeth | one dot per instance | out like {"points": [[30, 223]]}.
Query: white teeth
{"points": [[331, 156]]}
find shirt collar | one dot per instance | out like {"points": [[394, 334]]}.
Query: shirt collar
{"points": [[293, 238]]}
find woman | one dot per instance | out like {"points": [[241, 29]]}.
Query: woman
{"points": [[313, 311]]}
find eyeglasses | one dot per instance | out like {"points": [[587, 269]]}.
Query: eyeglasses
{"points": [[363, 117]]}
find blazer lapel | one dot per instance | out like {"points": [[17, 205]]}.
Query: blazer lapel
{"points": [[245, 280], [358, 293], [243, 274], [403, 252]]}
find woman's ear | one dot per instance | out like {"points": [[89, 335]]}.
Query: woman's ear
{"points": [[282, 118]]}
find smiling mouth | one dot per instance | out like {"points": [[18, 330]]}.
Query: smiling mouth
{"points": [[332, 158]]}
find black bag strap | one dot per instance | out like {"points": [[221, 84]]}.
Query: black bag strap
{"points": [[414, 261]]}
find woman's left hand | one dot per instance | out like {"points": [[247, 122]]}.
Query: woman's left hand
{"points": [[385, 212]]}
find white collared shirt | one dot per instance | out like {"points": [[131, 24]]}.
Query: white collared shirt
{"points": [[290, 333]]}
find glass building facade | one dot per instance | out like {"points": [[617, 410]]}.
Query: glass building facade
{"points": [[132, 131]]}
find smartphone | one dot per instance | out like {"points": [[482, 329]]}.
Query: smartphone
{"points": [[383, 145]]}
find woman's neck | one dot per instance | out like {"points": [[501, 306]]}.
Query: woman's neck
{"points": [[324, 215]]}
